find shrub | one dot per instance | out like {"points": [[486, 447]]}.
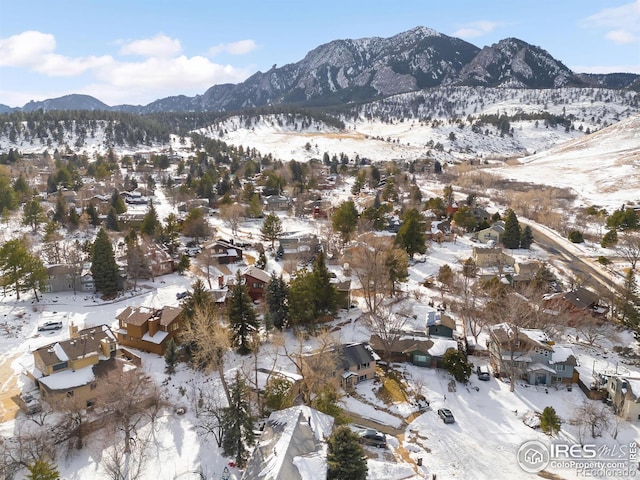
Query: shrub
{"points": [[575, 236]]}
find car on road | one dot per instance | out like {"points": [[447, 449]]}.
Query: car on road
{"points": [[446, 415], [483, 373], [374, 438], [50, 325]]}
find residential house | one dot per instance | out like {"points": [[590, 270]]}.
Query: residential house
{"points": [[68, 369], [440, 325], [480, 214], [491, 257], [492, 234], [358, 364], [525, 271], [160, 262], [149, 329], [292, 446], [439, 231], [224, 252], [343, 289], [277, 203], [256, 281], [415, 347], [531, 354], [578, 300], [67, 278], [624, 393]]}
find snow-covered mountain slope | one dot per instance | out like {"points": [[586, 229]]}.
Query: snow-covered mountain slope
{"points": [[602, 168]]}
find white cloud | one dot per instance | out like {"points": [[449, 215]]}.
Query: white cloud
{"points": [[620, 36], [26, 48], [158, 46], [164, 72], [240, 47], [475, 29], [624, 20]]}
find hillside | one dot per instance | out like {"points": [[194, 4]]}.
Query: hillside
{"points": [[602, 168]]}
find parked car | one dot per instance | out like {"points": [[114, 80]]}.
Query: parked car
{"points": [[374, 438], [483, 373], [29, 403], [181, 295], [446, 415], [50, 325]]}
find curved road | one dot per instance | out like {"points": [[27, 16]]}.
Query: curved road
{"points": [[577, 265]]}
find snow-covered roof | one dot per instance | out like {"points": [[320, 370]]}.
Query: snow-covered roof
{"points": [[158, 338], [68, 378], [561, 354], [293, 438], [441, 345], [540, 366]]}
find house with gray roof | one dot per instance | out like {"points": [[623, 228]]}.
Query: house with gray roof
{"points": [[292, 444]]}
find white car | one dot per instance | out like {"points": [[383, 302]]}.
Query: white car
{"points": [[50, 325]]}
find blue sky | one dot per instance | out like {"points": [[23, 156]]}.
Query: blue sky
{"points": [[135, 51]]}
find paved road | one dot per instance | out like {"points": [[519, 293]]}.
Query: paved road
{"points": [[579, 266]]}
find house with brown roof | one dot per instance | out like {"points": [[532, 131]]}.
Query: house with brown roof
{"points": [[69, 369], [224, 252], [491, 257], [578, 300], [416, 348], [149, 329], [256, 281]]}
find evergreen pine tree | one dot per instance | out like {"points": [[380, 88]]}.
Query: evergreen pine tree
{"points": [[271, 228], [238, 423], [549, 421], [183, 264], [527, 237], [627, 303], [457, 365], [345, 456], [42, 470], [118, 203], [103, 265], [411, 235], [325, 293], [111, 223], [276, 297], [150, 224], [242, 316], [171, 357], [512, 234], [92, 213]]}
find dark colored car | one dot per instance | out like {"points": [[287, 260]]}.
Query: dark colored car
{"points": [[181, 295], [446, 415], [373, 437], [50, 325], [483, 373]]}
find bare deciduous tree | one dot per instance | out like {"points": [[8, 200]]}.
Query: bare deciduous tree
{"points": [[368, 264], [211, 415], [629, 248], [318, 368], [593, 416], [388, 326], [209, 341], [232, 215]]}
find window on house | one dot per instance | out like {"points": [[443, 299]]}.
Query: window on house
{"points": [[131, 339], [560, 368], [420, 358], [362, 378], [70, 393]]}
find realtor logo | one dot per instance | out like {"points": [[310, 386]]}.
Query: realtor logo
{"points": [[533, 456]]}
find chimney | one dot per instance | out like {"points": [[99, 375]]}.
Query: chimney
{"points": [[73, 330], [220, 282]]}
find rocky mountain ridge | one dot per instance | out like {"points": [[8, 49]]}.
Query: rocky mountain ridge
{"points": [[349, 71]]}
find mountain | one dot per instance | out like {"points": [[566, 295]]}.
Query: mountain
{"points": [[514, 63], [348, 71], [68, 102]]}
